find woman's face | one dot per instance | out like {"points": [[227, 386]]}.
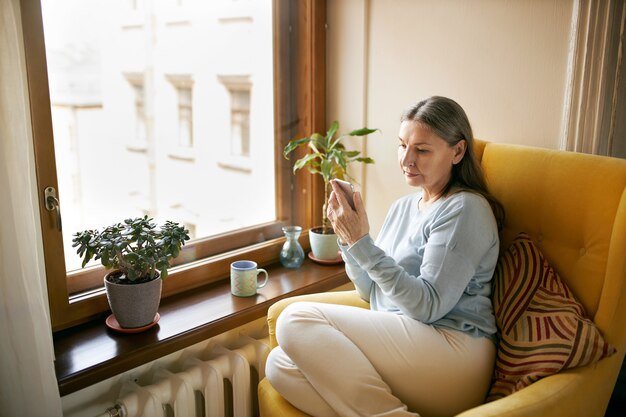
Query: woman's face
{"points": [[426, 159]]}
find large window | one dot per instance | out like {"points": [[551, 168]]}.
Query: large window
{"points": [[132, 115]]}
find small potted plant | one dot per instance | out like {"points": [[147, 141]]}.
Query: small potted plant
{"points": [[139, 253], [329, 158]]}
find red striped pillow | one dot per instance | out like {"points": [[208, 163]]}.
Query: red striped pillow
{"points": [[541, 325]]}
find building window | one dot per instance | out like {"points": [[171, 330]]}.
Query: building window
{"points": [[185, 117], [239, 143], [135, 4], [183, 85], [138, 138], [240, 122], [238, 88], [140, 115], [137, 112]]}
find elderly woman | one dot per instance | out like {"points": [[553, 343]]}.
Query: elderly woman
{"points": [[426, 346]]}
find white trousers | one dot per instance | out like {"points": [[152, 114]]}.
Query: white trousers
{"points": [[348, 361]]}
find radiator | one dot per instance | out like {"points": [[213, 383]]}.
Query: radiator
{"points": [[219, 381]]}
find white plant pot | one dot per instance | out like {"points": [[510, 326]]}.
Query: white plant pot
{"points": [[134, 305], [323, 246]]}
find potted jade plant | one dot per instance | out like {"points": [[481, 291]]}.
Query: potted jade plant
{"points": [[329, 158], [138, 253]]}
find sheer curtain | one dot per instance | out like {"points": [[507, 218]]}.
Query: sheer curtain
{"points": [[28, 385]]}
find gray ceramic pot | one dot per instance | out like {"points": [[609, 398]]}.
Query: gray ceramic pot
{"points": [[134, 305]]}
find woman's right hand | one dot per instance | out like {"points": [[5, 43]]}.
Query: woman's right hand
{"points": [[350, 225]]}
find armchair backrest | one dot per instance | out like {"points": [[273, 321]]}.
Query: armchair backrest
{"points": [[573, 205]]}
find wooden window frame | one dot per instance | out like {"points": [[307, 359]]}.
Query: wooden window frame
{"points": [[300, 89]]}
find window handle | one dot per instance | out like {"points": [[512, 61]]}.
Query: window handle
{"points": [[52, 204]]}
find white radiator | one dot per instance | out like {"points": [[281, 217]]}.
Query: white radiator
{"points": [[219, 381]]}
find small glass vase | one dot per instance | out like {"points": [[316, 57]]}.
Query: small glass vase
{"points": [[292, 254]]}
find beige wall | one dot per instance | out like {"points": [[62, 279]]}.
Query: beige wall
{"points": [[506, 63]]}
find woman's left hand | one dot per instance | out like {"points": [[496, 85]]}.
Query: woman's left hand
{"points": [[350, 225]]}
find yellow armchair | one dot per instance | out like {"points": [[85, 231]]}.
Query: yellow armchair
{"points": [[574, 207]]}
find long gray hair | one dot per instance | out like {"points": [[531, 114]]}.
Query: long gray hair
{"points": [[447, 119]]}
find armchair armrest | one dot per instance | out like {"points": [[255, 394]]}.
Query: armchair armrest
{"points": [[350, 298], [578, 392]]}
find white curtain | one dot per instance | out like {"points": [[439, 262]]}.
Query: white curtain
{"points": [[28, 385]]}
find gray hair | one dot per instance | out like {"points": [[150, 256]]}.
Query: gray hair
{"points": [[447, 119]]}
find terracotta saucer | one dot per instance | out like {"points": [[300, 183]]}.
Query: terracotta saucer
{"points": [[112, 324], [335, 261]]}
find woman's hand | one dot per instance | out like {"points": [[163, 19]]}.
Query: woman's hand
{"points": [[350, 225]]}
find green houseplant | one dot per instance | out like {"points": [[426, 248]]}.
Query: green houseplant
{"points": [[138, 253], [329, 158]]}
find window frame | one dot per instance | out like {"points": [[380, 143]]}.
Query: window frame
{"points": [[299, 94]]}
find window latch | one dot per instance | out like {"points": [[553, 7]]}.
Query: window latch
{"points": [[52, 204]]}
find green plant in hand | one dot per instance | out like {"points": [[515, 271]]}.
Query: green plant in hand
{"points": [[136, 247], [328, 157]]}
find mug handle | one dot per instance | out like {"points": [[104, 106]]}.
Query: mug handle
{"points": [[261, 285]]}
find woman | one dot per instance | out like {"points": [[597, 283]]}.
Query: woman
{"points": [[426, 346]]}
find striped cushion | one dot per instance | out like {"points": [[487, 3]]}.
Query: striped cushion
{"points": [[541, 325]]}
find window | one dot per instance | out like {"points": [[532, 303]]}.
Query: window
{"points": [[138, 139], [239, 91], [134, 4], [182, 138], [240, 122], [237, 155], [134, 99], [140, 115], [185, 118]]}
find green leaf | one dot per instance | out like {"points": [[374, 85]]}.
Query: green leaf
{"points": [[365, 160], [304, 161], [313, 170], [339, 158], [362, 132], [334, 126], [336, 144], [292, 145], [327, 168], [318, 143]]}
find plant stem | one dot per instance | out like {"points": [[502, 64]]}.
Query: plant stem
{"points": [[325, 222], [123, 265]]}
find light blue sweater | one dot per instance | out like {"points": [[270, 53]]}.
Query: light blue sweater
{"points": [[434, 265]]}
